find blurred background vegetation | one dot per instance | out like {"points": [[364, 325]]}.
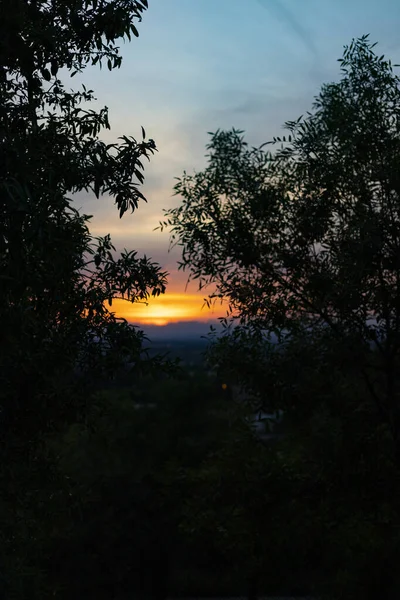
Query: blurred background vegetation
{"points": [[165, 490]]}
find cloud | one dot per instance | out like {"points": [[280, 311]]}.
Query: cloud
{"points": [[286, 16]]}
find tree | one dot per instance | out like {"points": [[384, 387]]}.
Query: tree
{"points": [[55, 277], [307, 238], [59, 335], [126, 472], [316, 512]]}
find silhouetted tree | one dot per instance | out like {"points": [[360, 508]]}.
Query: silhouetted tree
{"points": [[55, 277], [59, 335], [304, 244], [126, 469], [307, 238]]}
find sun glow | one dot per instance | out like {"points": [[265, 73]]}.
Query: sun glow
{"points": [[167, 308]]}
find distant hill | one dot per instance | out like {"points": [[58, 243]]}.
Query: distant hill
{"points": [[181, 331]]}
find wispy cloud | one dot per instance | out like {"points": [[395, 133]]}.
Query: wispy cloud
{"points": [[281, 12]]}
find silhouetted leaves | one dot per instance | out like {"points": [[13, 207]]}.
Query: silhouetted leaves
{"points": [[302, 242], [304, 238], [59, 334]]}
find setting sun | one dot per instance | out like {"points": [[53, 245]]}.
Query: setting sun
{"points": [[168, 308]]}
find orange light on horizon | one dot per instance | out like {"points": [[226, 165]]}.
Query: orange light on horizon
{"points": [[167, 308]]}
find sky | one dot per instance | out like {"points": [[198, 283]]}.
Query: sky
{"points": [[200, 65]]}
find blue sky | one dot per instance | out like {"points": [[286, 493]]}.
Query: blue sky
{"points": [[200, 65]]}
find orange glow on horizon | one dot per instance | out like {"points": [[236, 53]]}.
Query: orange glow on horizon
{"points": [[168, 308]]}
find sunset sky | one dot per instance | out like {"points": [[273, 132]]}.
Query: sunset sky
{"points": [[200, 65]]}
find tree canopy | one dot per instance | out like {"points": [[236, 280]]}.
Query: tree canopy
{"points": [[306, 237], [59, 335], [56, 279]]}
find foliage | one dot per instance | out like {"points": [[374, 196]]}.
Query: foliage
{"points": [[55, 277], [304, 243], [310, 513], [126, 480], [57, 282], [307, 238]]}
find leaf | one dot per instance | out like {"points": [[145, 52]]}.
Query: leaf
{"points": [[134, 30], [46, 74], [96, 187], [143, 133]]}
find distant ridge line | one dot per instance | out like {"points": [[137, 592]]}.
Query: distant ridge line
{"points": [[181, 330]]}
